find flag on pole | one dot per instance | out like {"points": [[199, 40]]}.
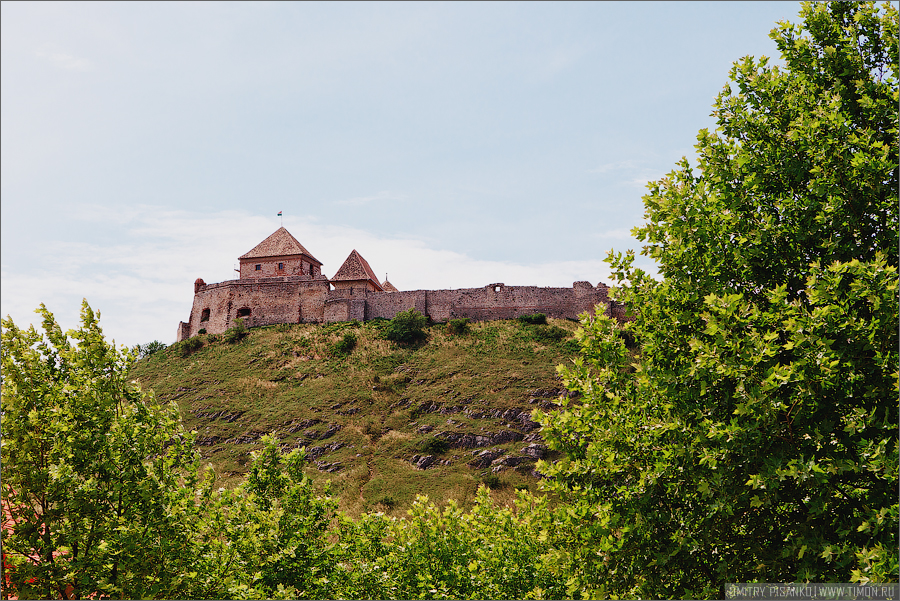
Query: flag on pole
{"points": [[279, 213]]}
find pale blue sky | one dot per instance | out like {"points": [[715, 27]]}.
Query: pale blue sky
{"points": [[453, 145]]}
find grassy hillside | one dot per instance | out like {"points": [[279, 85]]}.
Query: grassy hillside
{"points": [[458, 405]]}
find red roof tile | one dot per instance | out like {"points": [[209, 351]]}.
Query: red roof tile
{"points": [[281, 243], [356, 268]]}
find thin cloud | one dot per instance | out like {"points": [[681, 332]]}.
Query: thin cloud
{"points": [[66, 61]]}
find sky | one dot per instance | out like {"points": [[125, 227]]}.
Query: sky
{"points": [[144, 145]]}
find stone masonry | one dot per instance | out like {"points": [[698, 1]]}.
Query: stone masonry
{"points": [[281, 282]]}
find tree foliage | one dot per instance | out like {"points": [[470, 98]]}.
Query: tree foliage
{"points": [[753, 436], [407, 327], [268, 537], [97, 476], [146, 350], [101, 487], [489, 552]]}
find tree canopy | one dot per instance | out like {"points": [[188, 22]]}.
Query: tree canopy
{"points": [[753, 435], [97, 477]]}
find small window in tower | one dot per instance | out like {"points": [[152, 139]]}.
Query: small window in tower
{"points": [[496, 288], [259, 268], [281, 266]]}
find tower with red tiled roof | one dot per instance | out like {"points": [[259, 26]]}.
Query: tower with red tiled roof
{"points": [[356, 274], [279, 255]]}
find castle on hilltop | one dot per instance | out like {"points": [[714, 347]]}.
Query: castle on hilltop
{"points": [[281, 282]]}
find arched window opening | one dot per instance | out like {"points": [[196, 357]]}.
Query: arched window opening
{"points": [[244, 312], [204, 315]]}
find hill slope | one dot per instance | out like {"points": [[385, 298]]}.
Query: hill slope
{"points": [[384, 422]]}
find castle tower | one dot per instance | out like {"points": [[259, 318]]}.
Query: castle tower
{"points": [[356, 275], [279, 255]]}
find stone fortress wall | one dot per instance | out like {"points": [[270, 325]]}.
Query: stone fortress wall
{"points": [[494, 301], [268, 299]]}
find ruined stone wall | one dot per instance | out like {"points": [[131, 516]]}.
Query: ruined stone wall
{"points": [[387, 304], [299, 299], [495, 301], [344, 308], [259, 302]]}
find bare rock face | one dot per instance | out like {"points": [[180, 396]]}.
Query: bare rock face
{"points": [[328, 467], [328, 433], [295, 427], [509, 461], [422, 462], [537, 451], [483, 459], [316, 452], [527, 423], [227, 416], [471, 441]]}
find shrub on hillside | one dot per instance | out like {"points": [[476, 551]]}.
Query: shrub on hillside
{"points": [[458, 326], [145, 350], [237, 332], [372, 429], [407, 327], [535, 319], [492, 481], [344, 346], [549, 334], [433, 446], [186, 347]]}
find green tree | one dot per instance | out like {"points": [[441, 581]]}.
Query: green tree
{"points": [[753, 434], [407, 327], [268, 537], [98, 478], [145, 350], [489, 552]]}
